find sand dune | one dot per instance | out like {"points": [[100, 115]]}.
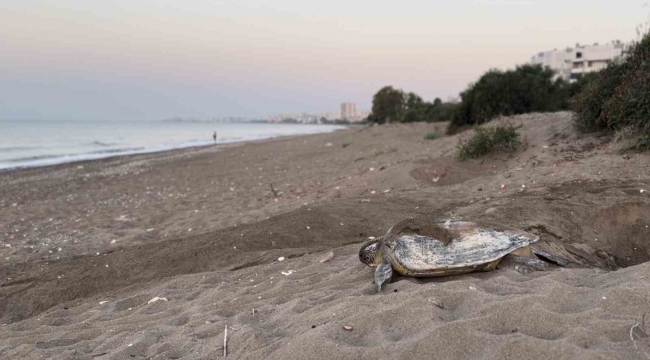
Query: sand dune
{"points": [[579, 193]]}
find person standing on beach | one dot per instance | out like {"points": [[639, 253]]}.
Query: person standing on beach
{"points": [[214, 136]]}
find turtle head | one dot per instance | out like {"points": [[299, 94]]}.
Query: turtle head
{"points": [[371, 253]]}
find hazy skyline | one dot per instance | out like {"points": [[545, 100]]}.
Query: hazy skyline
{"points": [[146, 59]]}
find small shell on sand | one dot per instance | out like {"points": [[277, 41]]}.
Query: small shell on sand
{"points": [[281, 258], [348, 328], [436, 303], [156, 299], [287, 273], [329, 256]]}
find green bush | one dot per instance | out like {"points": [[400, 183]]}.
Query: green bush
{"points": [[488, 139], [528, 88], [620, 96], [412, 116], [589, 104], [438, 111], [431, 136]]}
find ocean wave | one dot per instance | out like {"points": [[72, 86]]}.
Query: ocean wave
{"points": [[54, 159], [33, 158], [18, 148], [47, 160], [116, 151], [81, 156], [101, 143]]}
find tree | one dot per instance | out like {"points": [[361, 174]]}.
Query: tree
{"points": [[412, 115], [438, 111], [387, 105], [391, 104], [528, 88], [413, 101], [414, 108]]}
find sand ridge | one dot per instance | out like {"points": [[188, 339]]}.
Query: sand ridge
{"points": [[583, 313]]}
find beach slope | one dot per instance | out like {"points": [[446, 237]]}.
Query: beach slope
{"points": [[154, 256]]}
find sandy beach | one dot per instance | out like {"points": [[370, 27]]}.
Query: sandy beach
{"points": [[86, 247]]}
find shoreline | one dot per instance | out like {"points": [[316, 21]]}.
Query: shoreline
{"points": [[112, 156]]}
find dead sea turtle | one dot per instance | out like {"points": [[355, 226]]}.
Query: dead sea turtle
{"points": [[446, 247]]}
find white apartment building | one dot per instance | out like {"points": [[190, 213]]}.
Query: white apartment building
{"points": [[570, 63], [349, 111]]}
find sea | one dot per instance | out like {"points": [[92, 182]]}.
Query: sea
{"points": [[30, 143]]}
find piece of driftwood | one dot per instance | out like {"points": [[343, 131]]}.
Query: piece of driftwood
{"points": [[225, 341]]}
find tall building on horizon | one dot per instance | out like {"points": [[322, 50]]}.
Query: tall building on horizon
{"points": [[349, 111], [570, 63]]}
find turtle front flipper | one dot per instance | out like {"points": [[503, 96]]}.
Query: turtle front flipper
{"points": [[523, 265], [383, 273]]}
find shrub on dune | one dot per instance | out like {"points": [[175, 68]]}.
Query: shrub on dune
{"points": [[491, 138], [619, 97]]}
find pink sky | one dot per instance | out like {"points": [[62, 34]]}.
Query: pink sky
{"points": [[138, 58]]}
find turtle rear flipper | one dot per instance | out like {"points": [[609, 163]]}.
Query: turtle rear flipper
{"points": [[383, 273], [545, 255]]}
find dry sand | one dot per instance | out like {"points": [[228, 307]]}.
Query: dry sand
{"points": [[86, 246]]}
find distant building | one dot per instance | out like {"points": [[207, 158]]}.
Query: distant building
{"points": [[362, 115], [570, 63], [349, 111]]}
